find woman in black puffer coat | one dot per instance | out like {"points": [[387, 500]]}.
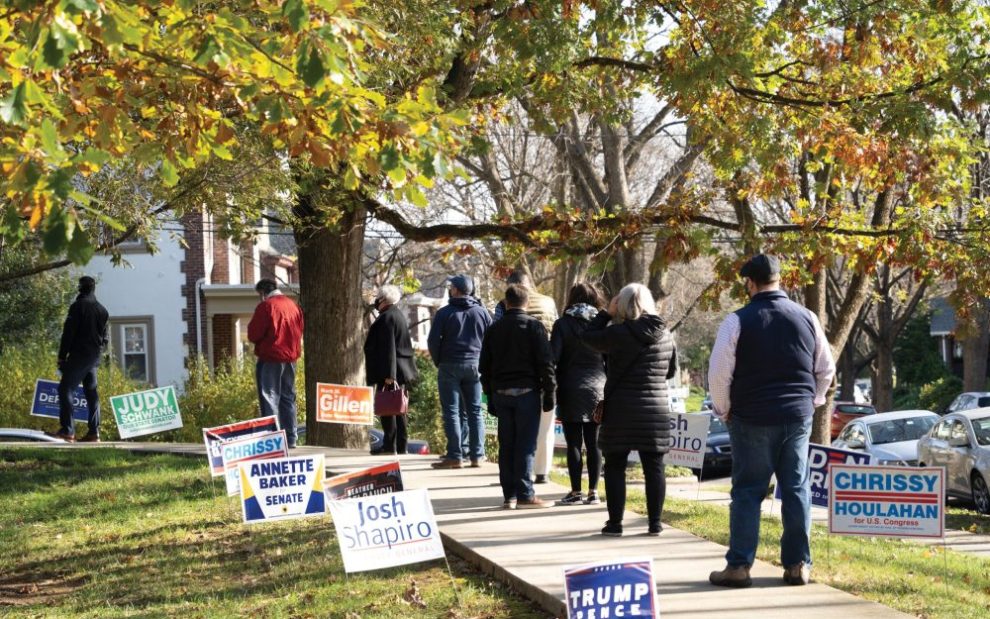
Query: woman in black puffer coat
{"points": [[580, 381], [641, 357]]}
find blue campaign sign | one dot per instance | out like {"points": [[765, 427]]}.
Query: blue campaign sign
{"points": [[46, 401], [820, 458], [611, 589]]}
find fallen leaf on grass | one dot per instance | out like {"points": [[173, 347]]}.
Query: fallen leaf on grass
{"points": [[413, 596]]}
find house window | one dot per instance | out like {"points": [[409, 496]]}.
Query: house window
{"points": [[132, 340]]}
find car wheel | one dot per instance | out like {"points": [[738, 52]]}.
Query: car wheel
{"points": [[981, 494]]}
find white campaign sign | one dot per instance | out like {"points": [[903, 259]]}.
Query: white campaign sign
{"points": [[689, 436], [282, 489], [386, 530], [266, 446], [893, 501]]}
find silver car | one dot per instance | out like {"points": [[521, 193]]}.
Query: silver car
{"points": [[961, 443], [892, 438]]}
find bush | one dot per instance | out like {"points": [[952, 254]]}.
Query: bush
{"points": [[937, 395], [906, 397]]}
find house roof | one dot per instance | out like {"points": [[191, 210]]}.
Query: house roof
{"points": [[943, 317]]}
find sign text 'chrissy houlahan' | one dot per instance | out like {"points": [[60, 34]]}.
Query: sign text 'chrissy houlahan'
{"points": [[894, 501]]}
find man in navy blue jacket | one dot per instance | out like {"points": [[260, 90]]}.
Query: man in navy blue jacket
{"points": [[771, 365], [455, 341]]}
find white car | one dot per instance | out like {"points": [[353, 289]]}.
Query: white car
{"points": [[20, 435], [961, 443], [892, 438]]}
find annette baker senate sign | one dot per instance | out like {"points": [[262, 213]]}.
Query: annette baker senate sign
{"points": [[894, 501]]}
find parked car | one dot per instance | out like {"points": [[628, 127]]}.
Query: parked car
{"points": [[19, 435], [892, 438], [413, 446], [718, 451], [961, 443], [968, 400], [844, 412]]}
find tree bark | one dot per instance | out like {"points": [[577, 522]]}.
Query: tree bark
{"points": [[330, 295], [976, 344]]}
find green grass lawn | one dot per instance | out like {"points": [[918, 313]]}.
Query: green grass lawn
{"points": [[925, 581], [103, 533]]}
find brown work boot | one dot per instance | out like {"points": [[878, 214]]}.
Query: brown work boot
{"points": [[90, 438], [447, 464], [533, 503], [737, 577], [799, 574]]}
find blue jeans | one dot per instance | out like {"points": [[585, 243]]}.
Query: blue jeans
{"points": [[459, 385], [277, 394], [75, 371], [757, 453], [518, 427]]}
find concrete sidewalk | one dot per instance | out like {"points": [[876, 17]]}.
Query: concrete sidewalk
{"points": [[529, 549]]}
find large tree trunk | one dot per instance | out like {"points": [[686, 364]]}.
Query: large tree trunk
{"points": [[883, 381], [976, 344], [847, 372], [814, 298], [330, 294]]}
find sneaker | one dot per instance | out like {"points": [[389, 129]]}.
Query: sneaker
{"points": [[572, 498], [533, 503], [737, 577], [509, 504], [654, 530], [68, 438], [540, 479], [90, 438], [447, 464], [592, 498], [799, 574], [611, 529]]}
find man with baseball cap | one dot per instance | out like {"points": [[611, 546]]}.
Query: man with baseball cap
{"points": [[456, 334], [771, 365]]}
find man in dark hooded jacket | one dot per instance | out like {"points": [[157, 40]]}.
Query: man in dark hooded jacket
{"points": [[84, 337], [455, 341]]}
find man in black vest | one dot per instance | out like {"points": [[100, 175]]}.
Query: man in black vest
{"points": [[516, 368], [771, 365], [84, 337]]}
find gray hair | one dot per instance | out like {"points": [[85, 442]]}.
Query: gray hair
{"points": [[389, 294], [634, 301]]}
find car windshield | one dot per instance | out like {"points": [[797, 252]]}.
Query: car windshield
{"points": [[855, 409], [981, 428], [897, 430], [717, 425]]}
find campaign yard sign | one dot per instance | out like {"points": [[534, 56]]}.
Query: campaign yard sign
{"points": [[345, 404], [820, 459], [146, 412], [381, 479], [559, 441], [689, 436], [45, 402], [611, 589], [892, 501], [282, 489], [213, 437], [256, 447], [386, 530]]}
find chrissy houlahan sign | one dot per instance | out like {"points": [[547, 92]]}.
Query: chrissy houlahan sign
{"points": [[893, 501], [214, 437], [611, 589], [689, 436], [266, 446], [146, 412], [282, 489], [386, 530]]}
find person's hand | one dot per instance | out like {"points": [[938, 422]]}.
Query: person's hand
{"points": [[613, 306], [389, 381], [548, 404], [61, 364]]}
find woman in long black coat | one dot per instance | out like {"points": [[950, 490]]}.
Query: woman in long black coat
{"points": [[641, 357], [388, 358], [580, 381]]}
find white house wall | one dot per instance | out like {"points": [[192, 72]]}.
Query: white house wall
{"points": [[150, 285]]}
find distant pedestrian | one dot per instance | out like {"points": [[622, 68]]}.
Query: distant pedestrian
{"points": [[454, 341], [771, 365], [580, 372], [544, 309], [517, 376], [641, 358], [84, 337], [388, 358], [276, 329]]}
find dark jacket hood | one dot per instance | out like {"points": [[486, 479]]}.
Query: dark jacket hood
{"points": [[463, 303], [647, 329]]}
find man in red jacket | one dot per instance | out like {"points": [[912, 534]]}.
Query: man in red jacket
{"points": [[276, 330]]}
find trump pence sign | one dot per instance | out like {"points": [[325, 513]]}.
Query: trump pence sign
{"points": [[611, 589], [282, 489], [345, 404], [893, 501]]}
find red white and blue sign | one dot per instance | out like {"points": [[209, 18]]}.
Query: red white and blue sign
{"points": [[282, 489], [611, 589], [820, 459], [891, 501], [46, 401], [213, 437]]}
